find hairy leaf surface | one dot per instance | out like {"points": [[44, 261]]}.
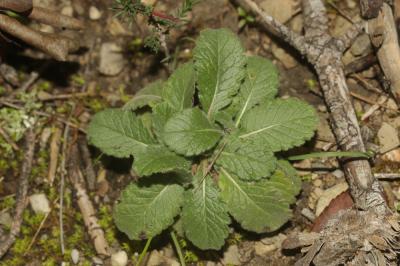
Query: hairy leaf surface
{"points": [[260, 84], [205, 217], [279, 124], [258, 206], [119, 133], [179, 89], [247, 159], [144, 212], [158, 159], [219, 63], [149, 95], [161, 113], [190, 132]]}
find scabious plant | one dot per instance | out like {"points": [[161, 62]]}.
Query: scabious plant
{"points": [[205, 151]]}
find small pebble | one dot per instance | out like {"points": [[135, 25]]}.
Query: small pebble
{"points": [[75, 256], [39, 203], [338, 173], [97, 261], [119, 259], [94, 13]]}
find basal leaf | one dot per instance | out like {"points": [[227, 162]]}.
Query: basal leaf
{"points": [[118, 133], [205, 217], [247, 159], [179, 89], [149, 95], [144, 212], [260, 84], [162, 112], [279, 124], [258, 206], [219, 63], [190, 132], [158, 159]]}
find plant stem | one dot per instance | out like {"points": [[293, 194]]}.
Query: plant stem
{"points": [[178, 248], [144, 251]]}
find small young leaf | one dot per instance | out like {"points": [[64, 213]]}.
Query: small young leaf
{"points": [[149, 95], [158, 159], [118, 133], [246, 159], [260, 84], [144, 212], [190, 132], [179, 89], [162, 112], [279, 124], [204, 216], [258, 206], [219, 63]]}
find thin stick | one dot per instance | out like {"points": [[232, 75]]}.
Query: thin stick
{"points": [[7, 138], [37, 232], [21, 193], [144, 251], [178, 248], [62, 181], [54, 153]]}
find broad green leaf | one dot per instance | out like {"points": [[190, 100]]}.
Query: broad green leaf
{"points": [[179, 89], [219, 63], [144, 212], [225, 119], [149, 95], [260, 84], [118, 133], [190, 132], [258, 206], [161, 113], [247, 159], [158, 159], [279, 124], [205, 217]]}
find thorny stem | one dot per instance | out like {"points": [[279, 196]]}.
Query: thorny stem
{"points": [[178, 248]]}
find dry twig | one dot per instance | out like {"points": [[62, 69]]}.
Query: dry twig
{"points": [[85, 204], [21, 193]]}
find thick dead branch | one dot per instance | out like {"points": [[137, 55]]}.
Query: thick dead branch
{"points": [[20, 6], [85, 205], [383, 34], [274, 26], [52, 18], [56, 46], [21, 193]]}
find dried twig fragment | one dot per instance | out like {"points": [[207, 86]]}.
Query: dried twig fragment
{"points": [[21, 193]]}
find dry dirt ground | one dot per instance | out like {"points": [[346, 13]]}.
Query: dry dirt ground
{"points": [[88, 85]]}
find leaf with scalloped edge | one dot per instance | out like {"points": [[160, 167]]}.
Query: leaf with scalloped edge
{"points": [[204, 216], [260, 84], [149, 95], [219, 63], [118, 133], [279, 124], [144, 212], [158, 159], [190, 132], [179, 88], [247, 159], [259, 206]]}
